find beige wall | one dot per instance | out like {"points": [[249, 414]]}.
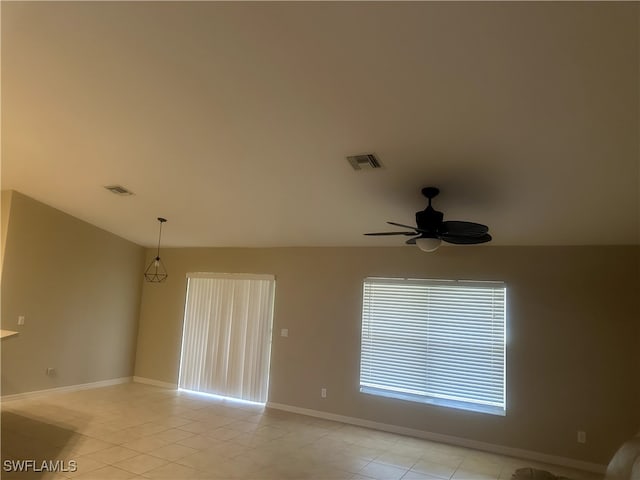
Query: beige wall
{"points": [[572, 331], [5, 208], [79, 288]]}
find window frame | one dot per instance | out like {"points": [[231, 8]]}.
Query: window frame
{"points": [[435, 399]]}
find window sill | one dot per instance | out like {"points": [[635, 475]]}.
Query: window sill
{"points": [[441, 402]]}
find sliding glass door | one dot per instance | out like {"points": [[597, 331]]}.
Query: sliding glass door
{"points": [[226, 341]]}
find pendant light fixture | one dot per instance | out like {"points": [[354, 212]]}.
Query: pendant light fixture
{"points": [[156, 272]]}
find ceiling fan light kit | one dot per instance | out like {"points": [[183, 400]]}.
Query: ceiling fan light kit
{"points": [[432, 230], [428, 244], [156, 271]]}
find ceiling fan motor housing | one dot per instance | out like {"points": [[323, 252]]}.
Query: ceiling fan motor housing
{"points": [[429, 220]]}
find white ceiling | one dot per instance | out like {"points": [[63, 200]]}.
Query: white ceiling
{"points": [[233, 120]]}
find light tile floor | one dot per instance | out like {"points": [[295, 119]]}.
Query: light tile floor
{"points": [[134, 431]]}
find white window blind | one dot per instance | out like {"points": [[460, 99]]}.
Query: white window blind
{"points": [[226, 341], [433, 341]]}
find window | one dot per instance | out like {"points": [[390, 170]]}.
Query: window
{"points": [[435, 341], [226, 340]]}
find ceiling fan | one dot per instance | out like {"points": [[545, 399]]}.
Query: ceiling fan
{"points": [[431, 228]]}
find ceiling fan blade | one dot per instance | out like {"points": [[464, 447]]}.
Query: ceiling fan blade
{"points": [[392, 233], [400, 225], [407, 226], [456, 228], [466, 239], [412, 241]]}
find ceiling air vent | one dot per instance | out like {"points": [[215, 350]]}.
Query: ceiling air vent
{"points": [[118, 190], [367, 161]]}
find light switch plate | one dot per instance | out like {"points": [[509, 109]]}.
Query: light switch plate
{"points": [[284, 332], [20, 319]]}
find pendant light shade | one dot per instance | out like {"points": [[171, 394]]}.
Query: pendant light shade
{"points": [[156, 272]]}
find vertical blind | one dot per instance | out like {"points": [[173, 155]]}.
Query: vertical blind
{"points": [[435, 341], [226, 342]]}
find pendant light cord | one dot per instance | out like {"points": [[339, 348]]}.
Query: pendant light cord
{"points": [[161, 220]]}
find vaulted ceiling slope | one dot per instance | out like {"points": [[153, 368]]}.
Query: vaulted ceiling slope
{"points": [[233, 120]]}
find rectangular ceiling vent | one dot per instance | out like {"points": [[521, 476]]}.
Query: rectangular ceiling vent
{"points": [[118, 190], [368, 161]]}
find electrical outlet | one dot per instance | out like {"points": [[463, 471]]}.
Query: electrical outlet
{"points": [[582, 437], [323, 393], [51, 371], [20, 319]]}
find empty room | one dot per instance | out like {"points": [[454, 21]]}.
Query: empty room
{"points": [[320, 240]]}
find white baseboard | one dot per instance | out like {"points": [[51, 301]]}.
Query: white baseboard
{"points": [[69, 388], [155, 383], [449, 439]]}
